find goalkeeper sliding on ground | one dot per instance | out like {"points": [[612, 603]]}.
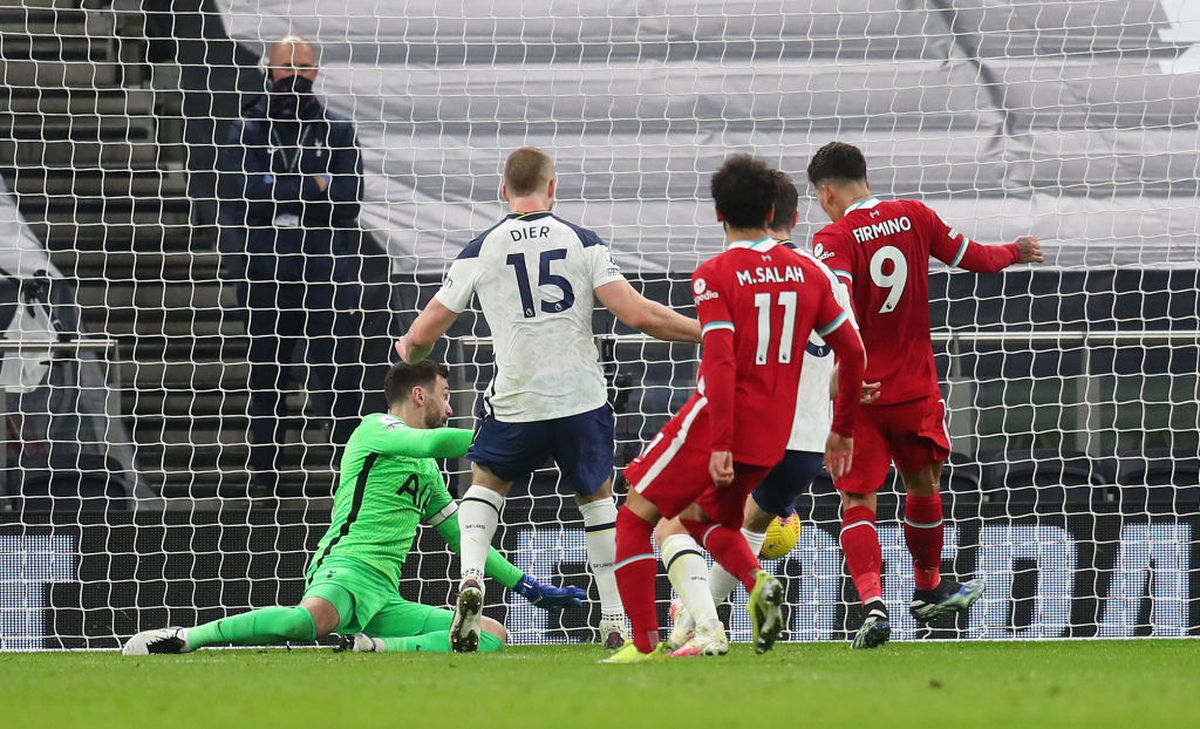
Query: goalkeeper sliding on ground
{"points": [[389, 484]]}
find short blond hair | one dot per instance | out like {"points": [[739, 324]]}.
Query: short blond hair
{"points": [[527, 170]]}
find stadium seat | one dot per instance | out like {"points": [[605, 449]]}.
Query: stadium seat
{"points": [[1029, 481], [1158, 481], [962, 475], [71, 484]]}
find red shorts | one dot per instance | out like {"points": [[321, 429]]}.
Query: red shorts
{"points": [[672, 474], [913, 434]]}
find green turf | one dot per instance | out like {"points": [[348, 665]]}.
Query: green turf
{"points": [[1136, 684]]}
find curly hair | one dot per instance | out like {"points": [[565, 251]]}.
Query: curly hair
{"points": [[744, 190]]}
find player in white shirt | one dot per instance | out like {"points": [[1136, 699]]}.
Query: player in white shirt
{"points": [[776, 495], [537, 278]]}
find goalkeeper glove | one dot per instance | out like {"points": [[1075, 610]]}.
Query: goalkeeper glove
{"points": [[549, 597]]}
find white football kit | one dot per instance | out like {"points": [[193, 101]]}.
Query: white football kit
{"points": [[535, 276], [814, 407]]}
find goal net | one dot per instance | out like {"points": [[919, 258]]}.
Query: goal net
{"points": [[1071, 388]]}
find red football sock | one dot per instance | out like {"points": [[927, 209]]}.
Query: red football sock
{"points": [[636, 568], [728, 547], [923, 535], [860, 544]]}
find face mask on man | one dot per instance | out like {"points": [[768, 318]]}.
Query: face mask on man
{"points": [[290, 97]]}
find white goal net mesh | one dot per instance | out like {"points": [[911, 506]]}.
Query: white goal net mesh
{"points": [[181, 366]]}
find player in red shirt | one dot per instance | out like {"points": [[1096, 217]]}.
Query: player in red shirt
{"points": [[881, 248], [757, 303]]}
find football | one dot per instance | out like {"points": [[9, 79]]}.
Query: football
{"points": [[782, 536]]}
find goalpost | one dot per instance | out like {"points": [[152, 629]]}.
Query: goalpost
{"points": [[1071, 388]]}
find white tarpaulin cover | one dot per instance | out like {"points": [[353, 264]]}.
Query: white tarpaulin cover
{"points": [[1076, 121]]}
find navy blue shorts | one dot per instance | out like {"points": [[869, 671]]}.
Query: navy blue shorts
{"points": [[580, 445], [777, 493]]}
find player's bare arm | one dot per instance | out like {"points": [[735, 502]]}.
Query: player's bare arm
{"points": [[431, 324], [649, 317]]}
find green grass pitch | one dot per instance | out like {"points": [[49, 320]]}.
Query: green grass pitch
{"points": [[1134, 684]]}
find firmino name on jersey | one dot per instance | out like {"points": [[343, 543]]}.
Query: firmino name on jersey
{"points": [[878, 230], [770, 274]]}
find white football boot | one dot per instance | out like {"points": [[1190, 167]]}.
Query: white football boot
{"points": [[709, 640], [162, 640], [612, 632], [366, 644], [682, 626]]}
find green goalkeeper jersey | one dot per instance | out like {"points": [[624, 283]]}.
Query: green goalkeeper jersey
{"points": [[389, 484]]}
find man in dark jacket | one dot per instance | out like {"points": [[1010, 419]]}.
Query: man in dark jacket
{"points": [[291, 183]]}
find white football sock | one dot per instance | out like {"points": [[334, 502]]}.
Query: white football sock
{"points": [[689, 577], [600, 526], [478, 515], [720, 581]]}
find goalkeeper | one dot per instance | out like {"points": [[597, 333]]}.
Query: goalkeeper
{"points": [[389, 484]]}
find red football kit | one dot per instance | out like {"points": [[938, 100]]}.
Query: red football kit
{"points": [[882, 250], [757, 303]]}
